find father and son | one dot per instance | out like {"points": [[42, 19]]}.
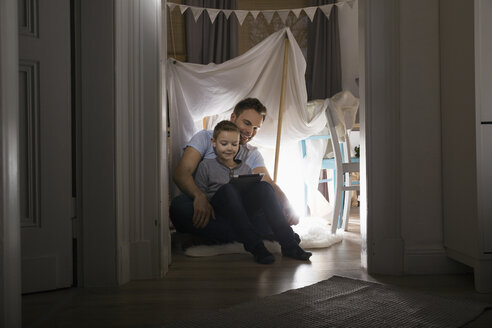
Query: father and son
{"points": [[212, 207]]}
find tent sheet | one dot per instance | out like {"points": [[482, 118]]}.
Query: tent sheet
{"points": [[196, 91]]}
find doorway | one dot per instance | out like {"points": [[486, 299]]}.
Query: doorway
{"points": [[176, 47]]}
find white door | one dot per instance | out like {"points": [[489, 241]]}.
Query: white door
{"points": [[45, 136]]}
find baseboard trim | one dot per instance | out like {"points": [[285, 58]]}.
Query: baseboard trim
{"points": [[124, 264], [431, 261]]}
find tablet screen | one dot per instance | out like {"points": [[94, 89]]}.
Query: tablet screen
{"points": [[243, 182]]}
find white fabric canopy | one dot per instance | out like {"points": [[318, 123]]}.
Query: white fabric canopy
{"points": [[196, 91]]}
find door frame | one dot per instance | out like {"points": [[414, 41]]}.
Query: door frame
{"points": [[382, 245], [120, 102], [10, 249]]}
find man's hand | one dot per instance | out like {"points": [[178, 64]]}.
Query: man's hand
{"points": [[202, 211], [183, 177]]}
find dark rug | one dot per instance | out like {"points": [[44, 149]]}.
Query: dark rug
{"points": [[343, 302]]}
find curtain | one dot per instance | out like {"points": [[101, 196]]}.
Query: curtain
{"points": [[324, 68], [323, 73], [207, 42]]}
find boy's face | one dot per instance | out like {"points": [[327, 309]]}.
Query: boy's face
{"points": [[248, 122], [226, 145]]}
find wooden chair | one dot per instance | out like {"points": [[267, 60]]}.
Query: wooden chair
{"points": [[342, 165]]}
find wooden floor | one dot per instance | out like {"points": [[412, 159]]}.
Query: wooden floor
{"points": [[198, 285]]}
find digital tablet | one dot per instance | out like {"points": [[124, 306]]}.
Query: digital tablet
{"points": [[245, 181]]}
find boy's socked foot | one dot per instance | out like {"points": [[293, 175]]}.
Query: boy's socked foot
{"points": [[262, 255], [296, 252]]}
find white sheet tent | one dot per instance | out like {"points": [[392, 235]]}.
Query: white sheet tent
{"points": [[196, 91]]}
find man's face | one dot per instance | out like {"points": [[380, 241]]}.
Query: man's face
{"points": [[248, 122]]}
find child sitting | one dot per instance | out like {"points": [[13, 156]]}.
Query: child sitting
{"points": [[212, 177]]}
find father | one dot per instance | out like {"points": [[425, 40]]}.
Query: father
{"points": [[192, 212]]}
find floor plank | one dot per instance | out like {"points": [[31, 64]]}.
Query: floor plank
{"points": [[199, 285]]}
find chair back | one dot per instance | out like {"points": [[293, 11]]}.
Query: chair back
{"points": [[337, 155]]}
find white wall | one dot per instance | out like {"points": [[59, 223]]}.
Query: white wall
{"points": [[458, 127], [420, 128], [420, 134]]}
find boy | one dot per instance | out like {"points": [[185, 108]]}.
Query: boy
{"points": [[212, 177]]}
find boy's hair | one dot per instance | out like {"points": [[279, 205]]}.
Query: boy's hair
{"points": [[250, 103], [225, 126]]}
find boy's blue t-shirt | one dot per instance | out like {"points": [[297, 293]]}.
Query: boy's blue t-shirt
{"points": [[202, 142]]}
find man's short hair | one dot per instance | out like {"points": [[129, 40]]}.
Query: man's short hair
{"points": [[225, 126], [250, 103]]}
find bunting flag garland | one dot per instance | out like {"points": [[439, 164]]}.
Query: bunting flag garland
{"points": [[171, 6], [196, 12], [296, 12], [326, 10], [267, 14], [310, 11], [227, 13], [283, 15], [241, 15], [212, 14], [254, 13]]}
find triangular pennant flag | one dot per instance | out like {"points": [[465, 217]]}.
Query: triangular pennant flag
{"points": [[326, 9], [283, 15], [351, 3], [171, 6], [268, 14], [340, 4], [227, 13], [183, 8], [297, 12], [212, 14], [310, 11], [196, 12], [240, 15], [254, 13]]}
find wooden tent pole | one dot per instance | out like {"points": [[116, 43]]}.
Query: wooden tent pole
{"points": [[281, 108]]}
